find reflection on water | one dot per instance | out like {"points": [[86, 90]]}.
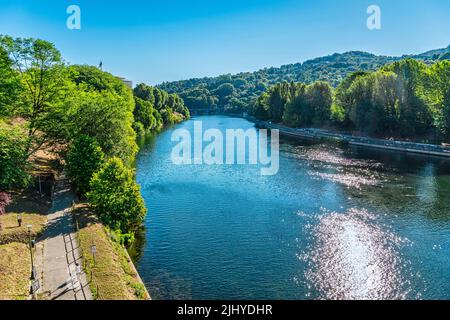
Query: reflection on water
{"points": [[353, 258], [335, 223]]}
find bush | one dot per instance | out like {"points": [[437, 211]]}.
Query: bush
{"points": [[13, 158], [85, 157], [116, 197]]}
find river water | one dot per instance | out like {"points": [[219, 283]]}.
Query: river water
{"points": [[335, 223]]}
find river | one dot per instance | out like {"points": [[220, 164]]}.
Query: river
{"points": [[336, 222]]}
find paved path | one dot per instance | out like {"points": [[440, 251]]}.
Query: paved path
{"points": [[57, 251]]}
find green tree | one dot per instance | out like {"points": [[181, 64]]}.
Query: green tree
{"points": [[13, 158], [145, 114], [438, 94], [40, 69], [385, 102], [84, 158], [295, 113], [116, 197], [360, 104], [277, 100], [106, 117], [9, 84], [320, 99], [144, 92], [414, 113], [343, 100]]}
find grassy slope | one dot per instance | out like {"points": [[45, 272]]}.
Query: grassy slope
{"points": [[15, 262], [113, 276], [15, 268], [13, 233]]}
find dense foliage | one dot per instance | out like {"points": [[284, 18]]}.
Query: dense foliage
{"points": [[84, 158], [156, 108], [237, 93], [116, 197], [405, 99], [102, 107], [88, 116], [13, 158], [37, 65], [9, 84]]}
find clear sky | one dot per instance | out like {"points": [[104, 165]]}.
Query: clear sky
{"points": [[153, 41]]}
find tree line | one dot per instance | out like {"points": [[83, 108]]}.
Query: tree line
{"points": [[90, 118], [236, 93], [405, 99]]}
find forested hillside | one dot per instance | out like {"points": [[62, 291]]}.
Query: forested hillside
{"points": [[235, 93], [406, 99]]}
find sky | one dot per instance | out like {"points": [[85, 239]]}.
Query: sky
{"points": [[154, 41]]}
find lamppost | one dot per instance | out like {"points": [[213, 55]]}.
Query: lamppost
{"points": [[19, 219], [33, 276], [93, 251]]}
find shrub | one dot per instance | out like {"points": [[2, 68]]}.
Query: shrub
{"points": [[84, 159], [116, 197]]}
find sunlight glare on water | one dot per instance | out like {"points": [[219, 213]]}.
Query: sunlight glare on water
{"points": [[336, 222], [353, 258]]}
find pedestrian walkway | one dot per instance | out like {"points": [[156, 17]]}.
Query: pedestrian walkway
{"points": [[58, 257]]}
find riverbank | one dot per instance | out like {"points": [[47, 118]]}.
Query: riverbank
{"points": [[383, 144], [111, 273]]}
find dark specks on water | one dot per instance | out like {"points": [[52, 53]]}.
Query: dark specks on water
{"points": [[334, 223]]}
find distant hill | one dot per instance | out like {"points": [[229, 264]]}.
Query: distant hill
{"points": [[235, 93]]}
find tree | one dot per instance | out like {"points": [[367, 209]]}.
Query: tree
{"points": [[320, 99], [260, 107], [84, 158], [40, 69], [116, 197], [343, 100], [224, 90], [13, 158], [438, 94], [360, 103], [145, 114], [9, 84], [154, 105], [295, 112], [278, 97], [102, 107], [414, 113], [385, 101], [144, 92], [106, 117]]}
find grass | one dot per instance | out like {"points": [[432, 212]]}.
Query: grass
{"points": [[15, 268], [112, 276], [11, 231]]}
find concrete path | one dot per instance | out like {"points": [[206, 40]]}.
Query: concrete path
{"points": [[57, 253]]}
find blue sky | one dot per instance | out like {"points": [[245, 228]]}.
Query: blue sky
{"points": [[154, 41]]}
